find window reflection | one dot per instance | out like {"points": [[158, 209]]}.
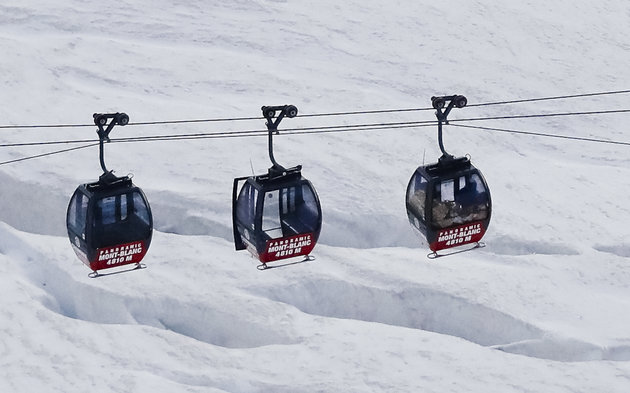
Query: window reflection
{"points": [[460, 201]]}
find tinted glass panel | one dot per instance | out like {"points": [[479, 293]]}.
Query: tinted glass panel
{"points": [[300, 210], [107, 210], [121, 219], [417, 194], [459, 201], [246, 206], [308, 210], [472, 200], [140, 208], [271, 214], [77, 213]]}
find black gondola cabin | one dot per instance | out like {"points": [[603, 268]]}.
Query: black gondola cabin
{"points": [[109, 222], [276, 218], [448, 202], [276, 215]]}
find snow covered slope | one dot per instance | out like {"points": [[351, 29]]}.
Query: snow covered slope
{"points": [[544, 307]]}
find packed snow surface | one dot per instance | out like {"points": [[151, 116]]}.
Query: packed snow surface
{"points": [[543, 308]]}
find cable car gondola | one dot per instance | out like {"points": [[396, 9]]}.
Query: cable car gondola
{"points": [[448, 202], [109, 221], [276, 215]]}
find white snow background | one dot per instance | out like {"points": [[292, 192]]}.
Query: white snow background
{"points": [[543, 308]]}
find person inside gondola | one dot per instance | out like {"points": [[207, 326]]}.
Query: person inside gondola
{"points": [[472, 200]]}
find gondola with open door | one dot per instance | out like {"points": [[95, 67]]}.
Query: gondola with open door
{"points": [[448, 202], [276, 215], [109, 221]]}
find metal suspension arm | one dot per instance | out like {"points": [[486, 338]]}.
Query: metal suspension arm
{"points": [[442, 115], [269, 112], [100, 119]]}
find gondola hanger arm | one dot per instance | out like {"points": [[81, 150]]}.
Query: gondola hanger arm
{"points": [[441, 113], [269, 112], [104, 128]]}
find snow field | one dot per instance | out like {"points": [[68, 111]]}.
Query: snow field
{"points": [[542, 308]]}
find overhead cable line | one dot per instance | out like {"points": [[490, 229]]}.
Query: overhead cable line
{"points": [[186, 121], [46, 126], [48, 154], [577, 138], [321, 129], [149, 123], [318, 129], [364, 112], [294, 131], [551, 98], [339, 128], [217, 135], [327, 129], [228, 134], [606, 112], [64, 142], [215, 120], [368, 112]]}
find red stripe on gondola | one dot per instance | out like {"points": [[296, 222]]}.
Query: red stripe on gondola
{"points": [[288, 247], [119, 255], [457, 236]]}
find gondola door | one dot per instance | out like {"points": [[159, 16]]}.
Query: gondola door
{"points": [[76, 220], [246, 216]]}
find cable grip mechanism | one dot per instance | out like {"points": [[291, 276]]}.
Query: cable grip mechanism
{"points": [[439, 103]]}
